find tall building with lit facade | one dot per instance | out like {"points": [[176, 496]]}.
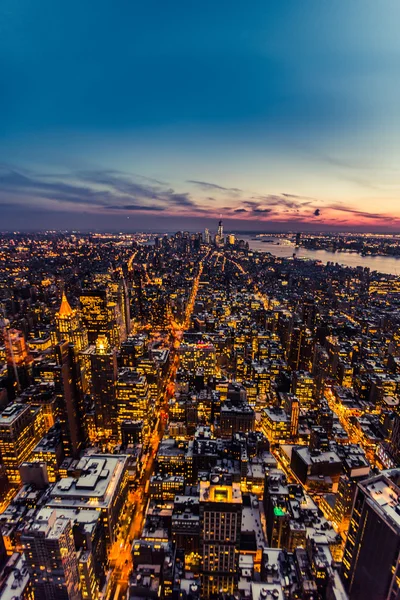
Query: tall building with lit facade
{"points": [[19, 360], [69, 393], [100, 482], [132, 398], [261, 374], [101, 368], [219, 238], [291, 406], [101, 316], [220, 229], [345, 374], [344, 502], [42, 394], [153, 371], [52, 560], [389, 450], [301, 348], [87, 576], [220, 524], [132, 349], [320, 370], [119, 294], [201, 355], [276, 424], [21, 427], [50, 451], [303, 388], [371, 560], [69, 327]]}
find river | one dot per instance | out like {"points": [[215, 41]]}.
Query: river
{"points": [[382, 264]]}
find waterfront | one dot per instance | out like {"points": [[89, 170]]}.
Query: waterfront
{"points": [[382, 264]]}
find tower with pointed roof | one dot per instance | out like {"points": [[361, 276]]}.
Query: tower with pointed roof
{"points": [[69, 327], [65, 308]]}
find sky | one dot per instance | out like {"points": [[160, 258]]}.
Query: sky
{"points": [[153, 115]]}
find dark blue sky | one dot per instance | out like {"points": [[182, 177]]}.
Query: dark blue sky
{"points": [[171, 113]]}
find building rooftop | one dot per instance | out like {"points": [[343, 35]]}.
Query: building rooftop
{"points": [[97, 483], [65, 308], [267, 591], [87, 519], [131, 376], [14, 585], [228, 408], [271, 588], [169, 447], [167, 478], [251, 521], [49, 442], [310, 457], [277, 483], [219, 491], [385, 496], [276, 414], [11, 413]]}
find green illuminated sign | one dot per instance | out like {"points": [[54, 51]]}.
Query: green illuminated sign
{"points": [[279, 512]]}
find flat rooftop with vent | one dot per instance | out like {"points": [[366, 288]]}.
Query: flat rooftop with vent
{"points": [[101, 482], [97, 478], [220, 491], [271, 588], [11, 413], [16, 584], [385, 495]]}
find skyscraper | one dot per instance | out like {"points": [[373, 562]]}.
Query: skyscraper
{"points": [[101, 365], [21, 427], [219, 238], [220, 518], [120, 296], [19, 360], [87, 576], [132, 398], [301, 348], [51, 557], [69, 327], [303, 388], [371, 561], [344, 501], [68, 387], [102, 316]]}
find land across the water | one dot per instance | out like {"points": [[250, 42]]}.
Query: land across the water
{"points": [[284, 248]]}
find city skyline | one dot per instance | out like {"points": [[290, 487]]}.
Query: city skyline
{"points": [[199, 300], [195, 418], [279, 117]]}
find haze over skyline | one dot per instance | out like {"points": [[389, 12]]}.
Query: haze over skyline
{"points": [[277, 115]]}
